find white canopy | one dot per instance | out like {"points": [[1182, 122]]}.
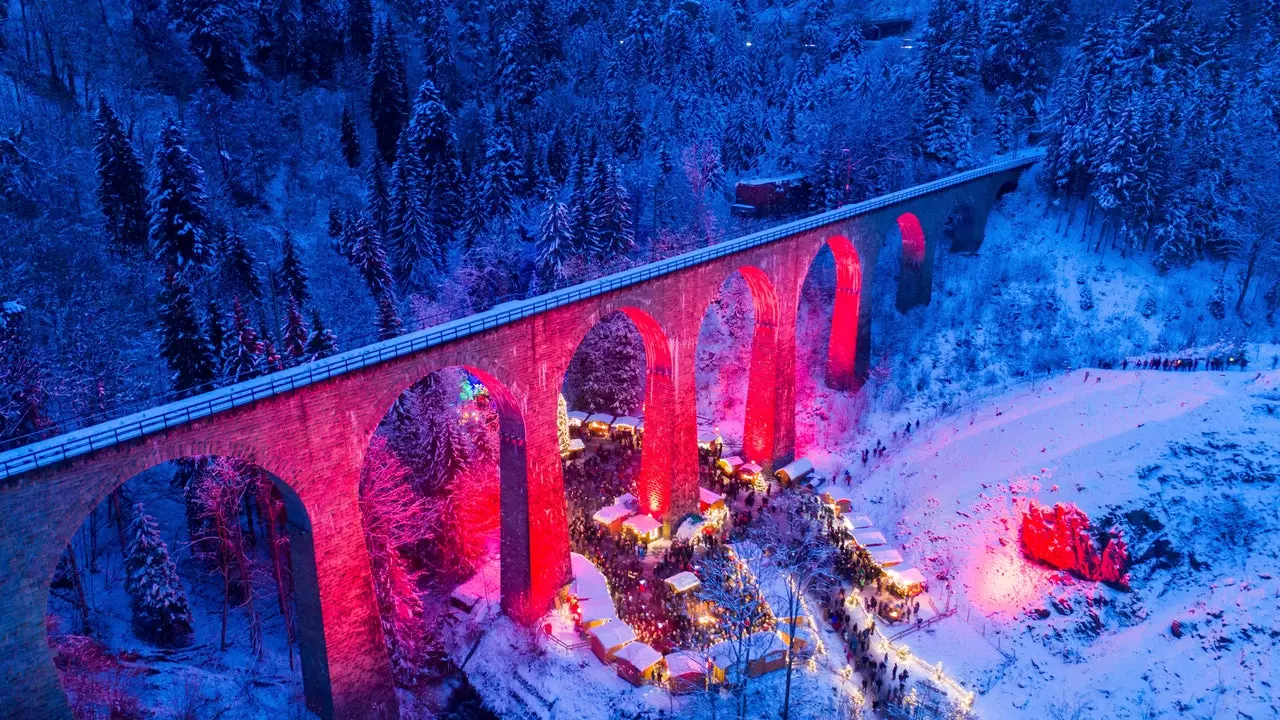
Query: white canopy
{"points": [[869, 538], [605, 418], [626, 421], [577, 444], [627, 500], [795, 470], [709, 497], [683, 582], [860, 522], [597, 609], [610, 514], [706, 437], [577, 415], [686, 663], [906, 576], [613, 634], [690, 528], [886, 557], [642, 525], [733, 461], [751, 468], [639, 656]]}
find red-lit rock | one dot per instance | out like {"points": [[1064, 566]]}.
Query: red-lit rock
{"points": [[1061, 536]]}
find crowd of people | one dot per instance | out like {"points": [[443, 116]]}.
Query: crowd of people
{"points": [[1213, 362]]}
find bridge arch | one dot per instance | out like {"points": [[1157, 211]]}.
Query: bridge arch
{"points": [[913, 240], [842, 347], [524, 559], [759, 418], [323, 664]]}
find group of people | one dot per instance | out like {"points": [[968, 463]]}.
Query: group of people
{"points": [[1213, 362]]}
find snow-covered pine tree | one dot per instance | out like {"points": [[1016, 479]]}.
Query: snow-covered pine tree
{"points": [[437, 46], [388, 95], [216, 333], [359, 31], [501, 174], [388, 320], [161, 615], [377, 199], [122, 190], [237, 267], [409, 232], [271, 360], [369, 258], [948, 62], [350, 138], [242, 358], [555, 244], [431, 135], [182, 343], [322, 342], [22, 393], [179, 233], [319, 40], [518, 74], [610, 205], [292, 276], [293, 334]]}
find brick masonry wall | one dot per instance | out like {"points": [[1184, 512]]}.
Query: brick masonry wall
{"points": [[314, 441]]}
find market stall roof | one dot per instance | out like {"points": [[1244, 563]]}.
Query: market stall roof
{"points": [[860, 522], [642, 525], [733, 461], [683, 582], [626, 421], [796, 470], [640, 426], [869, 538], [594, 609], [639, 655], [588, 581], [751, 468], [577, 444], [610, 514], [577, 415], [690, 528], [612, 634], [708, 436], [627, 500], [886, 557], [709, 497], [686, 663], [605, 418], [906, 576]]}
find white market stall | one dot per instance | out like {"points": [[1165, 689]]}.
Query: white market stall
{"points": [[610, 637], [643, 527], [869, 538], [686, 672], [625, 425], [612, 516], [576, 420], [794, 471], [683, 582], [907, 582], [886, 557], [637, 663], [597, 425]]}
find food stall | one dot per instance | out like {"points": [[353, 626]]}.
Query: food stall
{"points": [[751, 474], [576, 420], [686, 672], [709, 500], [869, 538], [886, 557], [693, 528], [609, 637], [637, 663], [839, 505], [907, 582], [765, 649], [804, 640], [576, 450], [729, 466], [597, 425], [858, 522], [625, 427], [795, 471], [643, 527], [683, 582], [710, 442], [612, 516]]}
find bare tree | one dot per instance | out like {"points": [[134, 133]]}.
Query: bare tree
{"points": [[739, 611]]}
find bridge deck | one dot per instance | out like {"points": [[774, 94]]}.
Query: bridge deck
{"points": [[153, 420]]}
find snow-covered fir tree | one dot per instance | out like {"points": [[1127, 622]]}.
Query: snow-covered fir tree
{"points": [[322, 342], [292, 277], [122, 192], [350, 138], [242, 357], [417, 254], [555, 244], [22, 390], [161, 613], [294, 335], [237, 267], [179, 234], [388, 94], [183, 344]]}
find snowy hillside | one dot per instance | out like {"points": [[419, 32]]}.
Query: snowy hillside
{"points": [[1184, 463]]}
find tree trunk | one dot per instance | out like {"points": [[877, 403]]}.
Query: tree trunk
{"points": [[1249, 269]]}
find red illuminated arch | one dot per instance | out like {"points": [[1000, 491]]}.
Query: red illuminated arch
{"points": [[912, 239], [653, 485], [758, 426], [842, 350]]}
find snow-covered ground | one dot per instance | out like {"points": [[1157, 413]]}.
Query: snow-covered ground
{"points": [[1184, 463]]}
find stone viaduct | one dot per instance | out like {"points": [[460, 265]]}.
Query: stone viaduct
{"points": [[310, 427]]}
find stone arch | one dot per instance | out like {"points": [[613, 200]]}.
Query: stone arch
{"points": [[1007, 187], [311, 632], [915, 269], [524, 559], [842, 347], [913, 240]]}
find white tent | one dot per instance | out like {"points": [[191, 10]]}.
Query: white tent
{"points": [[690, 528], [886, 557], [612, 516], [707, 439], [576, 445], [576, 418], [683, 582], [869, 538], [708, 498], [636, 662], [610, 637], [629, 501], [626, 422], [642, 525], [909, 581], [796, 470], [596, 611], [860, 522]]}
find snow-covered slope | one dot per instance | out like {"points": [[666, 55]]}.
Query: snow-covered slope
{"points": [[1184, 463]]}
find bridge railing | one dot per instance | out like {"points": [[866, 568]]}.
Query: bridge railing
{"points": [[147, 422]]}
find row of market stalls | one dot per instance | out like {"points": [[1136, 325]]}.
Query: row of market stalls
{"points": [[624, 516], [905, 582]]}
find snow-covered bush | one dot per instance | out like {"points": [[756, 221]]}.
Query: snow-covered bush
{"points": [[161, 614]]}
